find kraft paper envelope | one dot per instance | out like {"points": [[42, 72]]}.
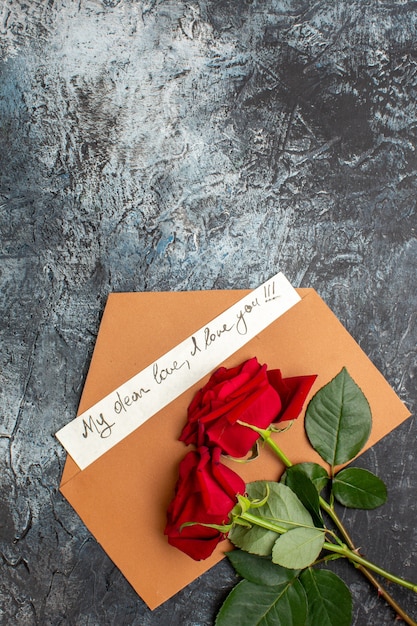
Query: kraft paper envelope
{"points": [[122, 496]]}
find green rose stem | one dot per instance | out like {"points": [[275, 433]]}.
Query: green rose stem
{"points": [[362, 564], [341, 550], [381, 590]]}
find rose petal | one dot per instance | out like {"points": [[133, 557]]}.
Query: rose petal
{"points": [[293, 392]]}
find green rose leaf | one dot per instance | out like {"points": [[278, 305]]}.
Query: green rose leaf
{"points": [[316, 473], [329, 599], [302, 485], [338, 420], [358, 488], [260, 569], [282, 508], [249, 604], [298, 548]]}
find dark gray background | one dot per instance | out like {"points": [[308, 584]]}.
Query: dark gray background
{"points": [[150, 145]]}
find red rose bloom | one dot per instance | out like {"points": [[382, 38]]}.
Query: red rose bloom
{"points": [[205, 492], [248, 393]]}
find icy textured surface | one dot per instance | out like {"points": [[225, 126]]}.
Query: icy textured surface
{"points": [[167, 145]]}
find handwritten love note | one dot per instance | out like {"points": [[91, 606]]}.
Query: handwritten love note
{"points": [[118, 414]]}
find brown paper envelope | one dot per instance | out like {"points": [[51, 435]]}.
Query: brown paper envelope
{"points": [[122, 497]]}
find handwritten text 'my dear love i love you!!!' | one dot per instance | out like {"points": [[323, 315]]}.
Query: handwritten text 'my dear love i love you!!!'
{"points": [[122, 403]]}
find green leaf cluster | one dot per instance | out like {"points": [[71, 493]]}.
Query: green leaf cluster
{"points": [[295, 542], [271, 595], [281, 529], [338, 422]]}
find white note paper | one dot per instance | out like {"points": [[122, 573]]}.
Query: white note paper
{"points": [[118, 414]]}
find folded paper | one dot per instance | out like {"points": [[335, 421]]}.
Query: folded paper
{"points": [[122, 496]]}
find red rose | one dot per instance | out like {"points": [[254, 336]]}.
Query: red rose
{"points": [[205, 492], [248, 393]]}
